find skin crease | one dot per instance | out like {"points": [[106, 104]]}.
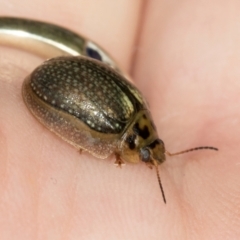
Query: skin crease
{"points": [[186, 62]]}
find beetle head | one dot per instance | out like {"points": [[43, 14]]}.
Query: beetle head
{"points": [[154, 153]]}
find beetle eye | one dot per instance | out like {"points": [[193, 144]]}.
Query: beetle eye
{"points": [[145, 154]]}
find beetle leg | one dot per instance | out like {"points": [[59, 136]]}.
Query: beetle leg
{"points": [[81, 150], [119, 162]]}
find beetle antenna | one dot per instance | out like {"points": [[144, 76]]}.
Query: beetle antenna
{"points": [[160, 184], [192, 149]]}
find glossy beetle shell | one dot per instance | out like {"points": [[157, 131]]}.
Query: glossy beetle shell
{"points": [[92, 107]]}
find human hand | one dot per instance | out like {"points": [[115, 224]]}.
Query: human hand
{"points": [[184, 53]]}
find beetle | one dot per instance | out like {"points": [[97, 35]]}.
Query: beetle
{"points": [[96, 109]]}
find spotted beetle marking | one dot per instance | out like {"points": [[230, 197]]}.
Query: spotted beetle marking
{"points": [[154, 143], [90, 92], [142, 132]]}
